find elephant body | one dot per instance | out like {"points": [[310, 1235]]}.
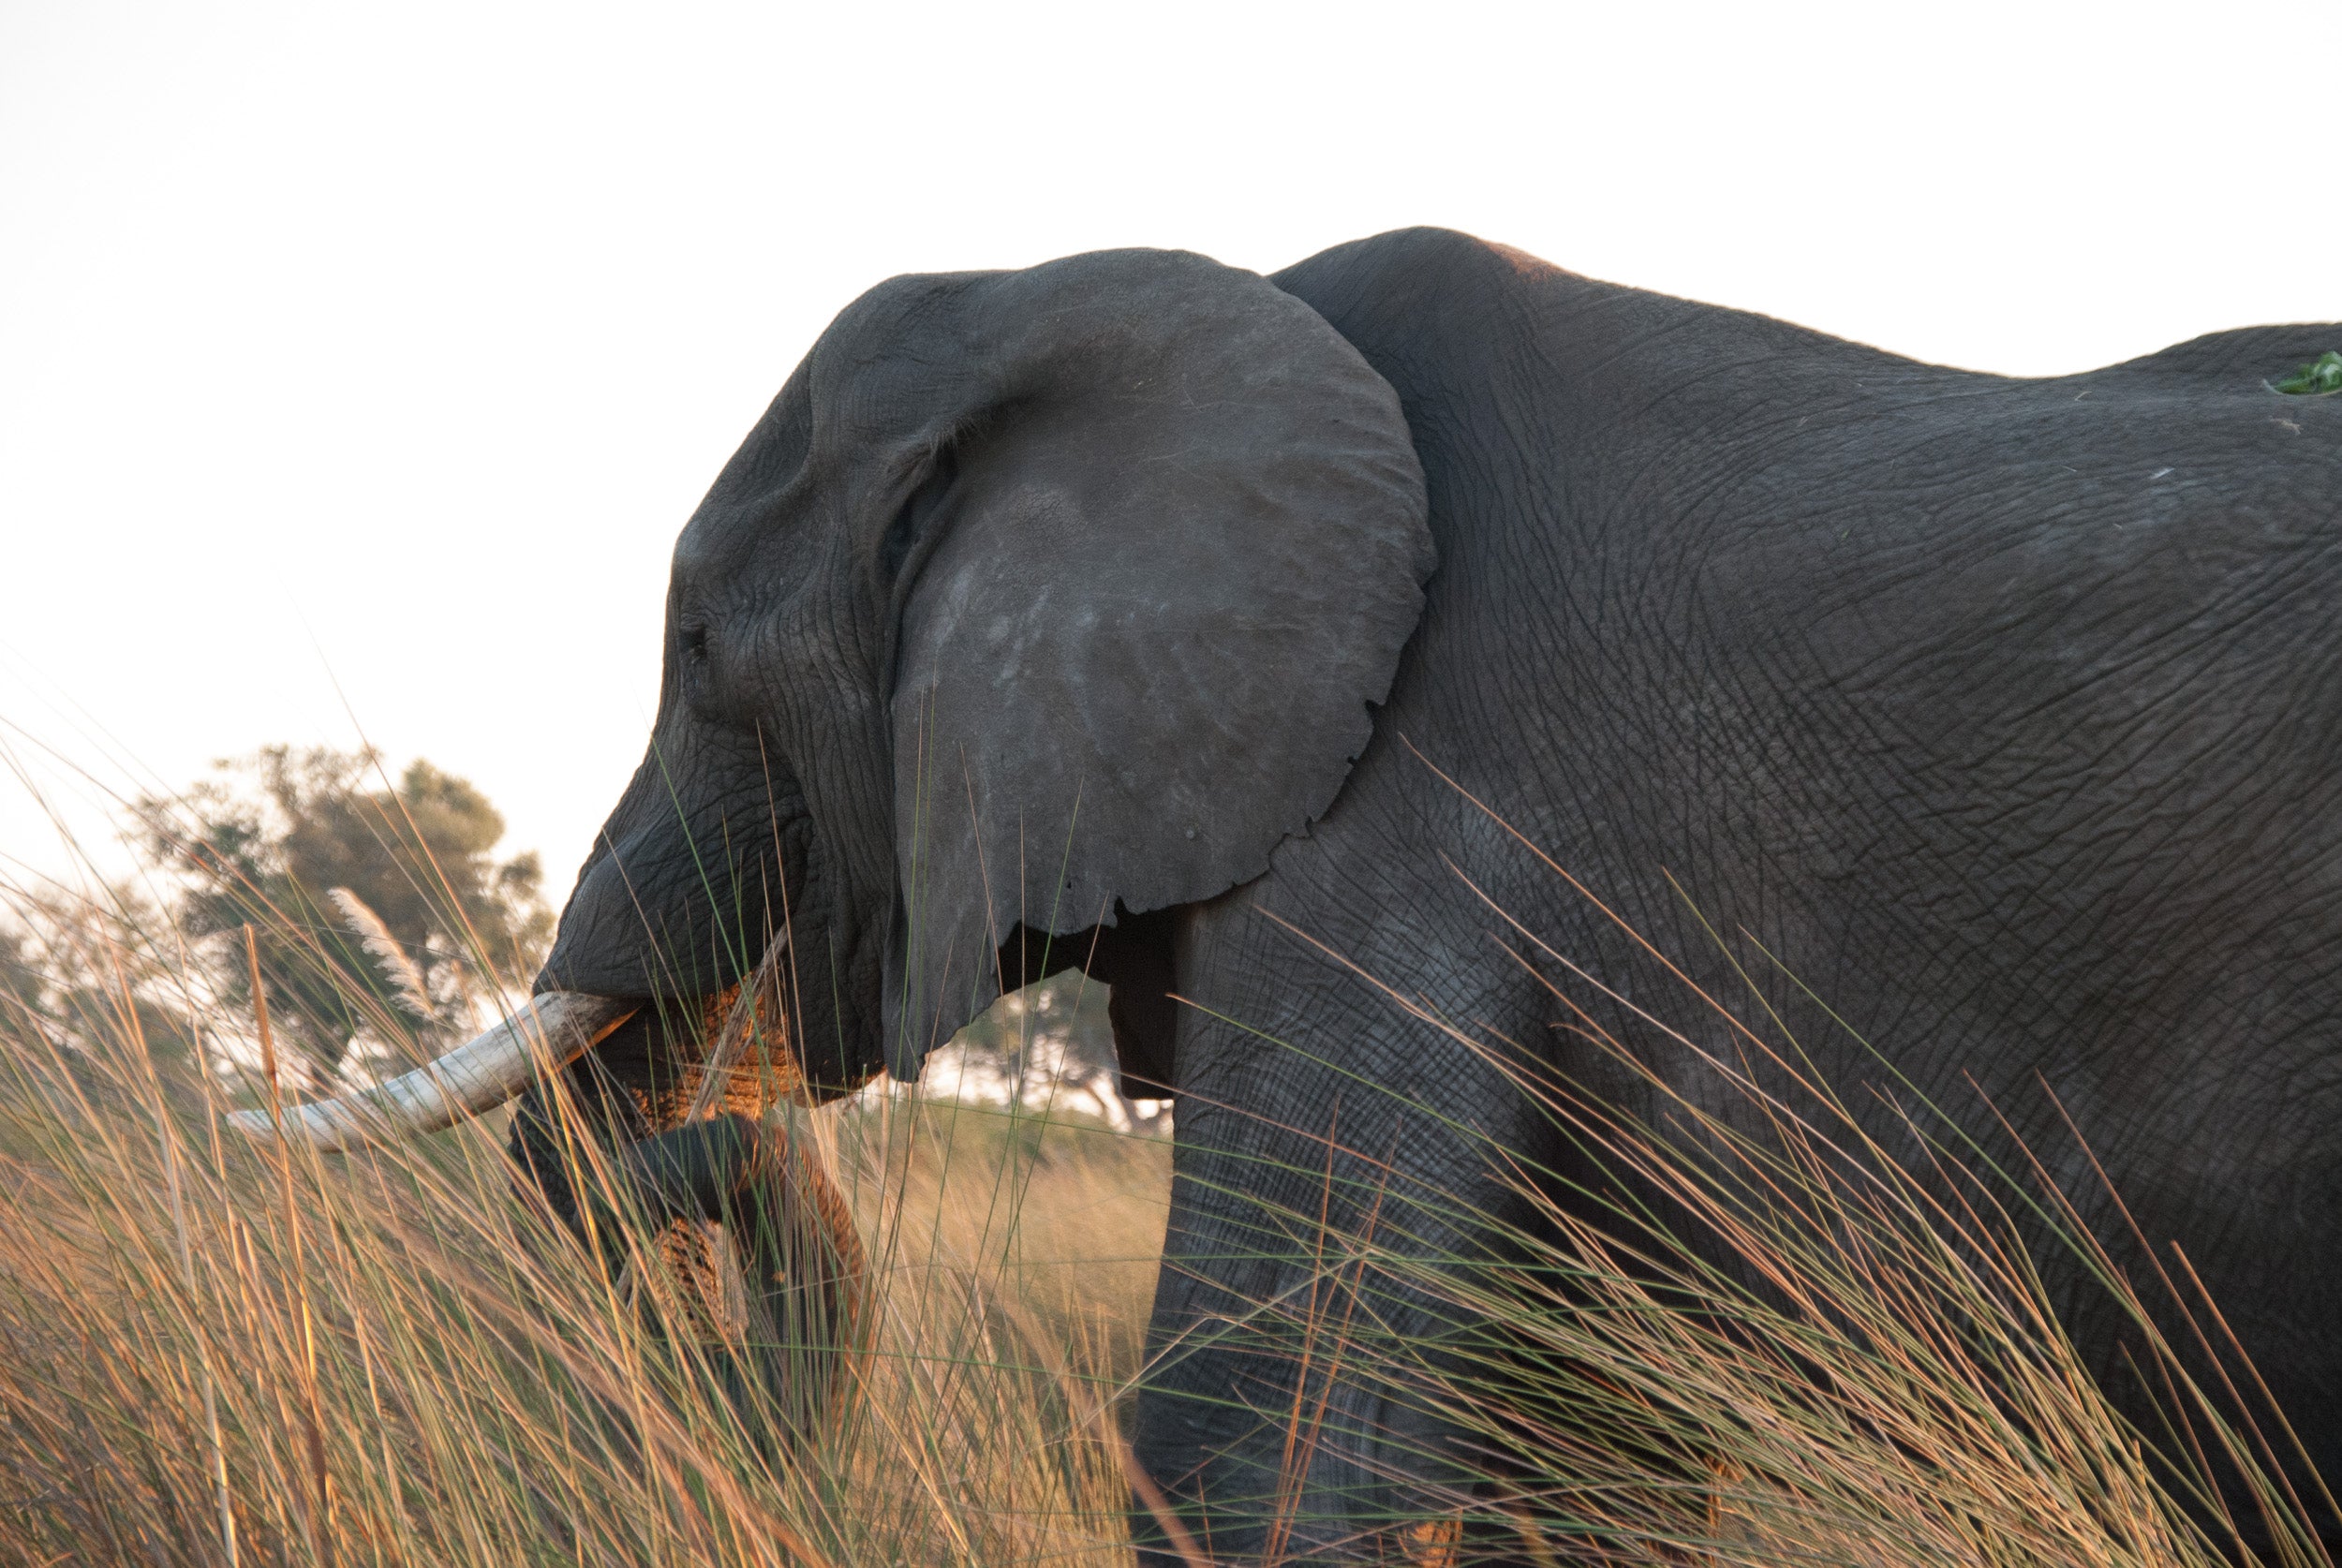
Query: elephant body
{"points": [[1991, 707], [1988, 706]]}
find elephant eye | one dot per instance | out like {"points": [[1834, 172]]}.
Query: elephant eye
{"points": [[695, 644]]}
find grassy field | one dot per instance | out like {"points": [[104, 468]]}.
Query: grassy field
{"points": [[211, 1352], [368, 1359]]}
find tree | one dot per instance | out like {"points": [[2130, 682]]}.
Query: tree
{"points": [[82, 984], [378, 911]]}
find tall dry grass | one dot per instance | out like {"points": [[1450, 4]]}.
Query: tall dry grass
{"points": [[212, 1352]]}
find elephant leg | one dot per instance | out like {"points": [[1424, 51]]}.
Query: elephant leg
{"points": [[1343, 1167], [1287, 1412]]}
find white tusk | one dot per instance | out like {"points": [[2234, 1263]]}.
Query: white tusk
{"points": [[551, 1031]]}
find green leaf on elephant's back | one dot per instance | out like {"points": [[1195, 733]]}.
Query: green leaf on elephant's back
{"points": [[2320, 377]]}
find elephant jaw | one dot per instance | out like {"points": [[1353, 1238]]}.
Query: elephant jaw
{"points": [[551, 1031]]}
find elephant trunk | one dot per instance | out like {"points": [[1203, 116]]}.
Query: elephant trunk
{"points": [[553, 1029]]}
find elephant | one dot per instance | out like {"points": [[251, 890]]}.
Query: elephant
{"points": [[1228, 636]]}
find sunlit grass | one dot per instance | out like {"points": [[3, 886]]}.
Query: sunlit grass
{"points": [[387, 1357], [212, 1351]]}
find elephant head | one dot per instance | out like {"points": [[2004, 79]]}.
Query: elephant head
{"points": [[1037, 601]]}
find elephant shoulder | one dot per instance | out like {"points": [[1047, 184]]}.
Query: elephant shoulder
{"points": [[1423, 251]]}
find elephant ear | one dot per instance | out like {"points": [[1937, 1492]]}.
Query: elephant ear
{"points": [[1155, 587]]}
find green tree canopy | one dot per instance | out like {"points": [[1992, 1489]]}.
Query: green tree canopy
{"points": [[372, 907]]}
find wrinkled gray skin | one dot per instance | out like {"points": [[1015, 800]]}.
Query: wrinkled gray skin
{"points": [[2000, 710]]}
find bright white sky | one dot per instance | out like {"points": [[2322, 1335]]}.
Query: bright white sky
{"points": [[358, 364]]}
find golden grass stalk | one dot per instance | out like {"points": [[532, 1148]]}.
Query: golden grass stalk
{"points": [[318, 1518]]}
